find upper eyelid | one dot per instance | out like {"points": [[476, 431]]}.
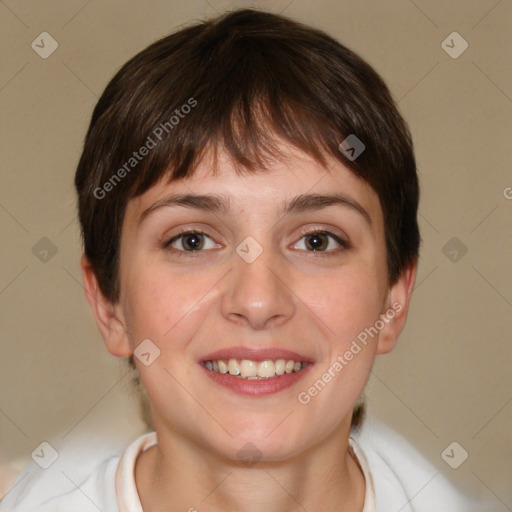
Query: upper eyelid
{"points": [[305, 232], [327, 230]]}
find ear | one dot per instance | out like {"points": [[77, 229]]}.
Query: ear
{"points": [[396, 309], [108, 316]]}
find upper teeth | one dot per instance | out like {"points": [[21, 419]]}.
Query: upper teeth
{"points": [[248, 369]]}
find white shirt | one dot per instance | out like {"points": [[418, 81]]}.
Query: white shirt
{"points": [[397, 477]]}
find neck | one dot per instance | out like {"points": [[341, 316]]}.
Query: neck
{"points": [[180, 476]]}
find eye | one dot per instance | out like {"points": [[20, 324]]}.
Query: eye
{"points": [[191, 241], [320, 241]]}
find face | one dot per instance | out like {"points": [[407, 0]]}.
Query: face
{"points": [[285, 264]]}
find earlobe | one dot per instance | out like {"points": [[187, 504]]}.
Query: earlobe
{"points": [[397, 307], [109, 318]]}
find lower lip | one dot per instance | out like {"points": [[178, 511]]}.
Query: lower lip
{"points": [[257, 387]]}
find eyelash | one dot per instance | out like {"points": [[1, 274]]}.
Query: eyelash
{"points": [[311, 231], [181, 234], [319, 231]]}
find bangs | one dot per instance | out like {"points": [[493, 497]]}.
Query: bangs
{"points": [[251, 135], [246, 107]]}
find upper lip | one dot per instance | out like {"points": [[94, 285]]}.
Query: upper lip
{"points": [[256, 354]]}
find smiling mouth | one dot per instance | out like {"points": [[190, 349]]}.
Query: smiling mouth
{"points": [[255, 370]]}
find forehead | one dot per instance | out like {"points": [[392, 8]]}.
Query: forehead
{"points": [[294, 174]]}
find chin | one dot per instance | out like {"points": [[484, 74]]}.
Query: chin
{"points": [[258, 445]]}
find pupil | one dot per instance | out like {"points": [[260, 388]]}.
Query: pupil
{"points": [[193, 241], [316, 241]]}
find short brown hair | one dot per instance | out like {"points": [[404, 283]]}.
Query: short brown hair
{"points": [[247, 79]]}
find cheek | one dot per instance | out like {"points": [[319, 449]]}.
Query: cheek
{"points": [[347, 302], [161, 303]]}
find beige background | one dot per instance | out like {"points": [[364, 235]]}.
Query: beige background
{"points": [[449, 378]]}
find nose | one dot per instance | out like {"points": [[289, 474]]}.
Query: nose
{"points": [[257, 293]]}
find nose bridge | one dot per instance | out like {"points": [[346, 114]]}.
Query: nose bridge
{"points": [[257, 294]]}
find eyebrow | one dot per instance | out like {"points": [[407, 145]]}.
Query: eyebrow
{"points": [[217, 203]]}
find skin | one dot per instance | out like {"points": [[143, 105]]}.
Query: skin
{"points": [[291, 297]]}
